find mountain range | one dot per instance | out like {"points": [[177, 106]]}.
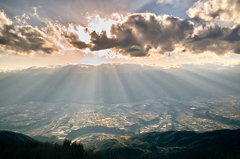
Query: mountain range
{"points": [[117, 83]]}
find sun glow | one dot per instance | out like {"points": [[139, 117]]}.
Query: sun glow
{"points": [[81, 31], [107, 53], [98, 24], [95, 23]]}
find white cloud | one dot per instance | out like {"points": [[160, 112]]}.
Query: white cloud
{"points": [[220, 10], [166, 1], [22, 19], [4, 20], [24, 39]]}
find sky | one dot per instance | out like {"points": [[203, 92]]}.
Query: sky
{"points": [[149, 32]]}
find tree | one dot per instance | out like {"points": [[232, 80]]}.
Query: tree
{"points": [[67, 142]]}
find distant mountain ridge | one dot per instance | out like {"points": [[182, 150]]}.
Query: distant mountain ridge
{"points": [[116, 83]]}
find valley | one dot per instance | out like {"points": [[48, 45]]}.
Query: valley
{"points": [[79, 119]]}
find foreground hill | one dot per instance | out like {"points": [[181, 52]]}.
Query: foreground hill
{"points": [[12, 137], [19, 146], [172, 144]]}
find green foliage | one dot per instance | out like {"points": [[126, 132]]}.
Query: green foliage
{"points": [[121, 152], [178, 144], [46, 151], [67, 142]]}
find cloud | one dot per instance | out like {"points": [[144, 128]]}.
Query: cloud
{"points": [[221, 10], [149, 35], [22, 19], [74, 40], [135, 35], [167, 1], [35, 11], [4, 20], [211, 37], [24, 39], [214, 38], [142, 33]]}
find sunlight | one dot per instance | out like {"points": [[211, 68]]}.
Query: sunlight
{"points": [[86, 84], [81, 32], [98, 24], [122, 85], [107, 53], [94, 60], [95, 23], [31, 83], [120, 79], [223, 83]]}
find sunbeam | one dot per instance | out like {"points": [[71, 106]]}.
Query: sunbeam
{"points": [[119, 79]]}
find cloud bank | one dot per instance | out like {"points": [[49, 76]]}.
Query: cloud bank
{"points": [[136, 35], [214, 38], [139, 35], [143, 34], [210, 36], [24, 39]]}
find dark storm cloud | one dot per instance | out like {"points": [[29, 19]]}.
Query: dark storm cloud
{"points": [[142, 32], [24, 39]]}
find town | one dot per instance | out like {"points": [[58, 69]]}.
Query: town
{"points": [[59, 119]]}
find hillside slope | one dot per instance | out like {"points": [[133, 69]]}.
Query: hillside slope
{"points": [[176, 144], [171, 144], [12, 137]]}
